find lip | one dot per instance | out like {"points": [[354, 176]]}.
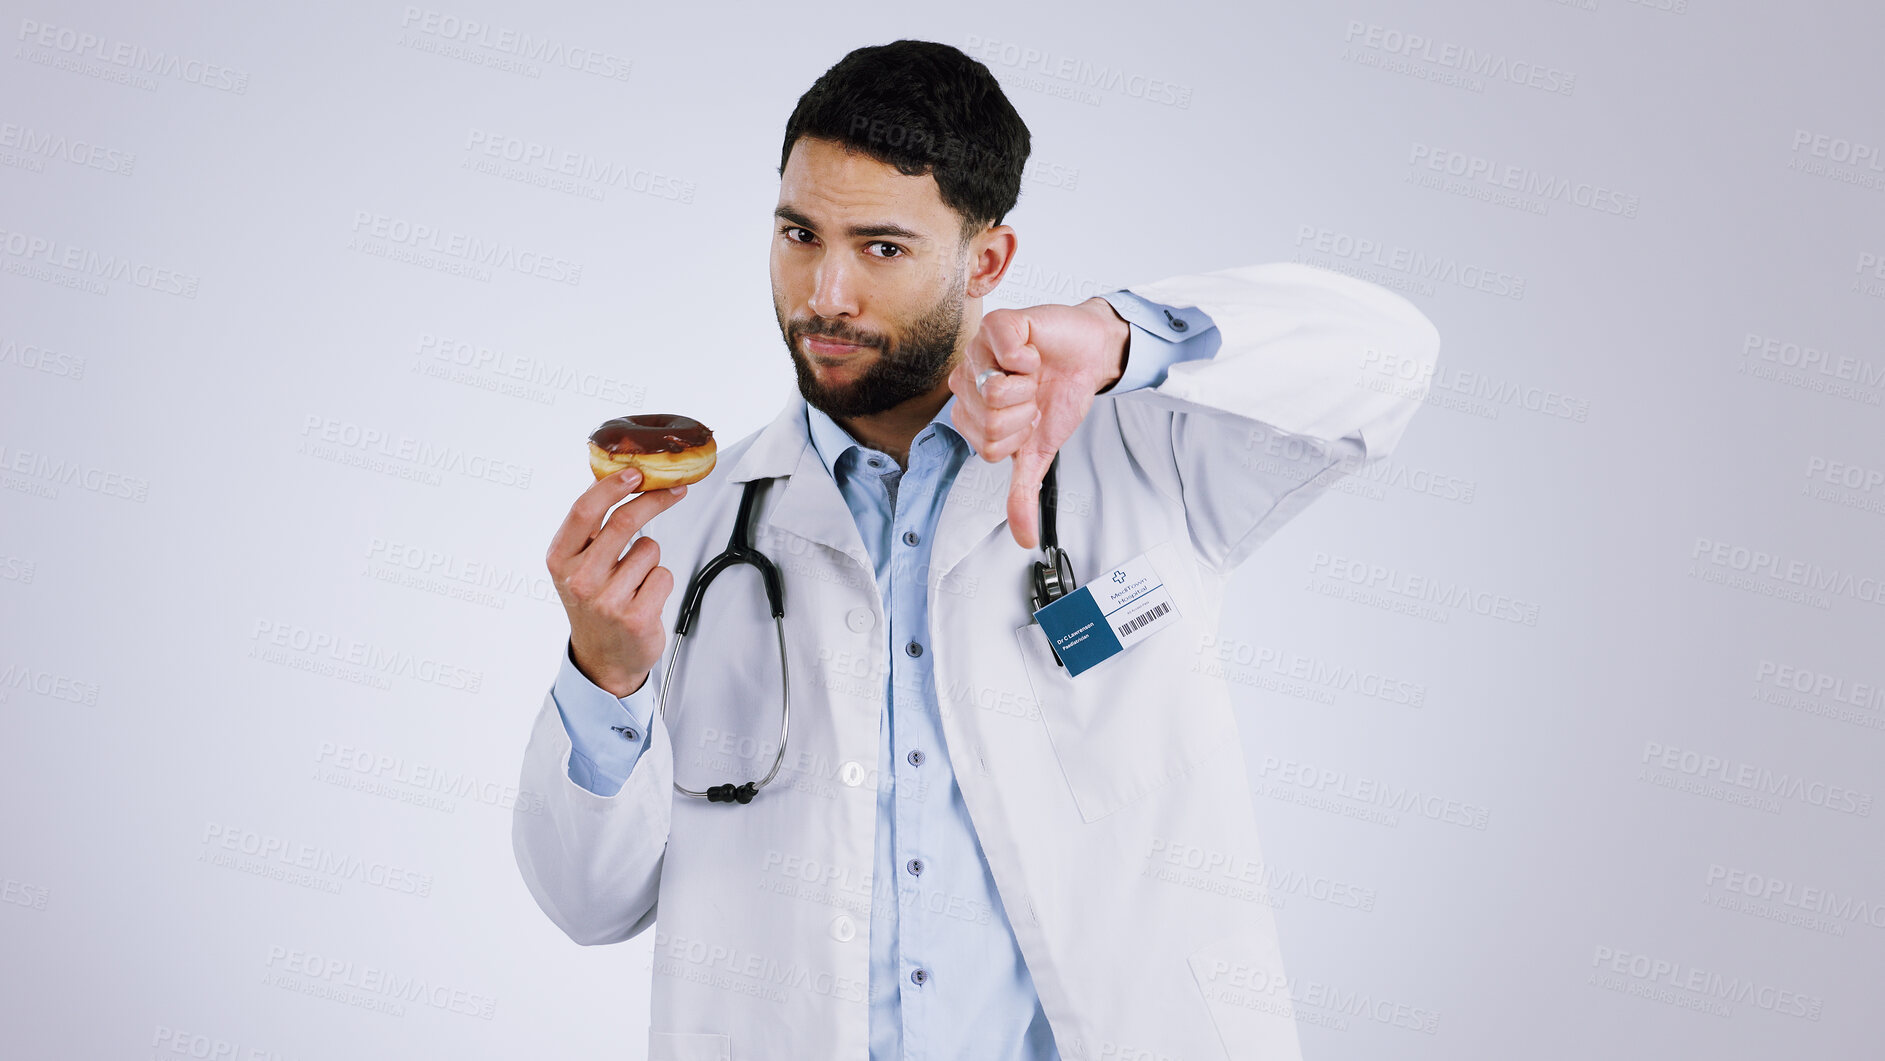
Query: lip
{"points": [[827, 348]]}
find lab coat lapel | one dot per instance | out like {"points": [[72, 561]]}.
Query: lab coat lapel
{"points": [[808, 504], [977, 503]]}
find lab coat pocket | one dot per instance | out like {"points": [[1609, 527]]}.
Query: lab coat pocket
{"points": [[689, 1046], [1129, 724]]}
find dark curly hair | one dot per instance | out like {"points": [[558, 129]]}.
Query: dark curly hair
{"points": [[922, 107]]}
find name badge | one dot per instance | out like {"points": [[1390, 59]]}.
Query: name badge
{"points": [[1108, 615]]}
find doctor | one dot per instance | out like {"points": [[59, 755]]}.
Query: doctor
{"points": [[968, 852]]}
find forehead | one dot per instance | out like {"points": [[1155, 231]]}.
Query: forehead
{"points": [[825, 178]]}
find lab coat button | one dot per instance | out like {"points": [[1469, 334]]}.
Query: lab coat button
{"points": [[859, 619], [851, 773], [843, 930]]}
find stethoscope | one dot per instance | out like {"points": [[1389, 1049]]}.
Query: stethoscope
{"points": [[1052, 580]]}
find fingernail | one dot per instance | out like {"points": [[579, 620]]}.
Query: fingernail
{"points": [[632, 476], [677, 489]]}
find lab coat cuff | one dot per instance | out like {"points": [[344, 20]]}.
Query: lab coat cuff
{"points": [[607, 733], [1162, 336]]}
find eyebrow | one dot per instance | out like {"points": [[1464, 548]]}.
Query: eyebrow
{"points": [[878, 230]]}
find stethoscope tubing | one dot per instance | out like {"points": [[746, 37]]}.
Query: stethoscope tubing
{"points": [[785, 709], [1052, 580]]}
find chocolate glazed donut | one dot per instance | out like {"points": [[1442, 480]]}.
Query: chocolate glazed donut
{"points": [[670, 450]]}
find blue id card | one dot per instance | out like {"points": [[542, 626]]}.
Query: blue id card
{"points": [[1108, 615]]}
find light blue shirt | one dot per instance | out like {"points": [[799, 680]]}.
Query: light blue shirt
{"points": [[947, 978]]}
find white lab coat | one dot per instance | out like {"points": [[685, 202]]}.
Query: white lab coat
{"points": [[1114, 807]]}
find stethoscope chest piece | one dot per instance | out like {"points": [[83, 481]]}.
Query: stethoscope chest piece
{"points": [[1053, 577]]}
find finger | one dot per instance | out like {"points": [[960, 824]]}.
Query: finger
{"points": [[1007, 342], [590, 567], [976, 354], [1000, 392], [969, 416], [652, 595], [1000, 423], [624, 580], [975, 357], [1024, 495], [1000, 449], [981, 421], [585, 516], [629, 519], [1005, 437], [962, 382]]}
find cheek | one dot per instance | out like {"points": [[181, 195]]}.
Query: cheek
{"points": [[792, 276]]}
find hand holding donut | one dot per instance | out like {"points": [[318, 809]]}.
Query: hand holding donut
{"points": [[614, 601]]}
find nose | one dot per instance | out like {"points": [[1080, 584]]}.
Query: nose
{"points": [[834, 294]]}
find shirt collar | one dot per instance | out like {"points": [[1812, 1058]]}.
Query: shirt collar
{"points": [[832, 441]]}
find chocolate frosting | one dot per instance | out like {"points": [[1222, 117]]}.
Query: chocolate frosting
{"points": [[651, 433]]}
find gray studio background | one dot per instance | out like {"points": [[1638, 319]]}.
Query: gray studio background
{"points": [[1565, 724]]}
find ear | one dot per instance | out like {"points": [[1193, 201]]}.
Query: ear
{"points": [[991, 251]]}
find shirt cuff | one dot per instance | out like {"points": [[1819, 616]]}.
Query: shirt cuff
{"points": [[607, 733], [1162, 336]]}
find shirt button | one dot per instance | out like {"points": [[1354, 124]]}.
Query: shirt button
{"points": [[627, 732], [913, 648], [859, 620], [915, 866], [915, 757], [911, 538], [875, 462], [920, 976], [1178, 323]]}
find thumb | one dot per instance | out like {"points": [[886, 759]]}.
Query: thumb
{"points": [[1024, 495]]}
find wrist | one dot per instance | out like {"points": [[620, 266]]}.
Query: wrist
{"points": [[1117, 345], [614, 682]]}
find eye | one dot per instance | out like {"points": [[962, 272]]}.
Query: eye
{"points": [[787, 231], [897, 251]]}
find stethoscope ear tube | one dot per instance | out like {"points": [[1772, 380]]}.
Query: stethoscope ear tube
{"points": [[739, 550]]}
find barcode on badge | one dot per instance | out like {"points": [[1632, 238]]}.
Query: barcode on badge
{"points": [[1140, 620], [1150, 613]]}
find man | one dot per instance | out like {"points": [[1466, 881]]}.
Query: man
{"points": [[967, 850]]}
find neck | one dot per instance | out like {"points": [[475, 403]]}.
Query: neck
{"points": [[893, 429]]}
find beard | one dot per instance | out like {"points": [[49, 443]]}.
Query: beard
{"points": [[908, 365]]}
